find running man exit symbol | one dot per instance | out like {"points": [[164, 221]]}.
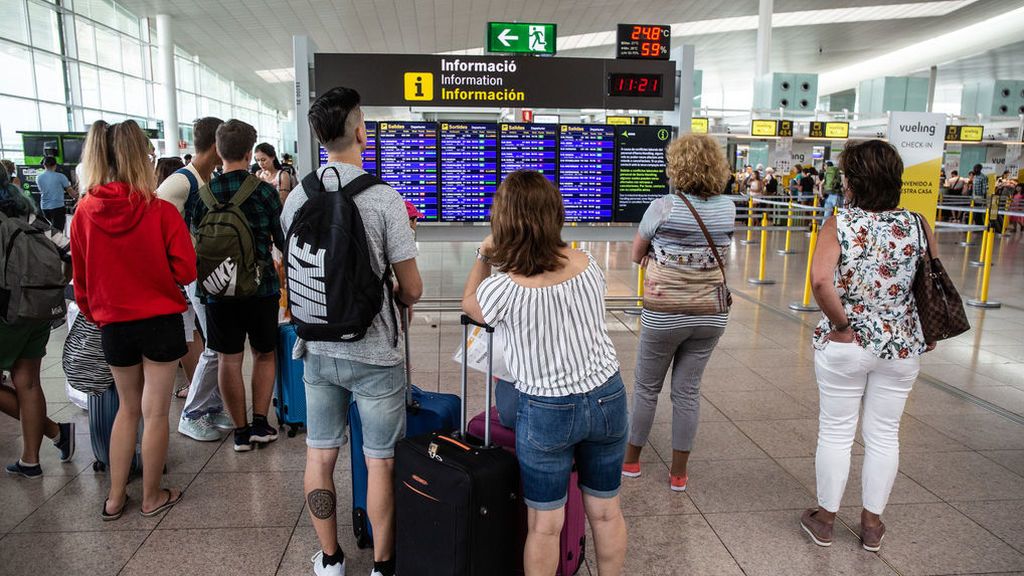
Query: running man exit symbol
{"points": [[419, 86], [538, 38]]}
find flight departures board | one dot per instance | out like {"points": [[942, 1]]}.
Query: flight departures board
{"points": [[451, 170]]}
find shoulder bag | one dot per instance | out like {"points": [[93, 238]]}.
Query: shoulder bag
{"points": [[939, 307], [680, 290]]}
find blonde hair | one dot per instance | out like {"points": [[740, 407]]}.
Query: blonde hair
{"points": [[696, 165], [118, 153]]}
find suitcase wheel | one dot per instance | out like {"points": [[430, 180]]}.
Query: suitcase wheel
{"points": [[98, 466], [359, 528], [293, 429]]}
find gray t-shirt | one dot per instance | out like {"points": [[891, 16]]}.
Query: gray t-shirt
{"points": [[391, 240]]}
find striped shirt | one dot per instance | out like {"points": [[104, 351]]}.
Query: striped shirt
{"points": [[556, 341], [677, 240]]}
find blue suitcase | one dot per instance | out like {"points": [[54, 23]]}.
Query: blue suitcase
{"points": [[289, 390], [425, 412], [102, 411]]}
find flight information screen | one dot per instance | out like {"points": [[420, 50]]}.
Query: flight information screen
{"points": [[469, 170], [640, 157], [586, 171], [369, 155], [529, 147], [408, 162]]}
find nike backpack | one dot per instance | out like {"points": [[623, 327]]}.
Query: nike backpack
{"points": [[32, 274], [334, 294], [225, 246]]}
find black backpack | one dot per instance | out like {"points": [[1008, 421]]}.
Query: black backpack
{"points": [[333, 292]]}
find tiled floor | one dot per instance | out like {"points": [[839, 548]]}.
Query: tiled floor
{"points": [[957, 506]]}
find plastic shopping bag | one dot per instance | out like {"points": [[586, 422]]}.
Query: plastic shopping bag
{"points": [[476, 359]]}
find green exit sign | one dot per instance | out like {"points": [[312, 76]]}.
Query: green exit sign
{"points": [[521, 37]]}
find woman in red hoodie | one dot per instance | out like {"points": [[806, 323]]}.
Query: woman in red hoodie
{"points": [[131, 252]]}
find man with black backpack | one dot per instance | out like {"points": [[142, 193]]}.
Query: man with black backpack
{"points": [[235, 223], [348, 233]]}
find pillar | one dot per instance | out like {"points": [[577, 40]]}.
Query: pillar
{"points": [[165, 49], [762, 64]]}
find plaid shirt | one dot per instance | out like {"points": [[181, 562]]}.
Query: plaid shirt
{"points": [[979, 187], [263, 211]]}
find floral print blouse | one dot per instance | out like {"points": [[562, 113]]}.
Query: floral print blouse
{"points": [[879, 254]]}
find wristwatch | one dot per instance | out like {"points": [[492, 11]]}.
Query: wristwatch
{"points": [[481, 257]]}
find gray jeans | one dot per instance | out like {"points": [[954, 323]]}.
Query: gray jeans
{"points": [[688, 350], [203, 394]]}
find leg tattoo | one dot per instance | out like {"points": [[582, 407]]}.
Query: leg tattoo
{"points": [[322, 503]]}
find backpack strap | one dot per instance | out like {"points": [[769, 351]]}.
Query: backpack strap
{"points": [[193, 182], [361, 183], [249, 186]]}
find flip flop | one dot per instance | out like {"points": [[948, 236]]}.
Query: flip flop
{"points": [[111, 517], [181, 393], [171, 501]]}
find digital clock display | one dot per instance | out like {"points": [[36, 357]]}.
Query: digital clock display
{"points": [[635, 85], [643, 41]]}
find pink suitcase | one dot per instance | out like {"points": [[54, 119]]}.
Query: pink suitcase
{"points": [[574, 533]]}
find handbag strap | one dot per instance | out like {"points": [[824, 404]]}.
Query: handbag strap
{"points": [[920, 236], [707, 235]]}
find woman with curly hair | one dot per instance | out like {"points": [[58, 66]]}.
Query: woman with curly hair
{"points": [[683, 241]]}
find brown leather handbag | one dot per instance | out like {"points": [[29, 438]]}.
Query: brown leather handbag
{"points": [[678, 290], [939, 307]]}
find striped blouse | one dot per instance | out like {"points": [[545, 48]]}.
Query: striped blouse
{"points": [[556, 341], [676, 238]]}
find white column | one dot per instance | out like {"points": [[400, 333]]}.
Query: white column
{"points": [[306, 151], [165, 49], [681, 117], [762, 65], [933, 73]]}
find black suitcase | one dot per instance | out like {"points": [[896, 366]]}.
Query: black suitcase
{"points": [[455, 500]]}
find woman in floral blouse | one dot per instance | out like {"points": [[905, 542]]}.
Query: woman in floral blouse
{"points": [[869, 342]]}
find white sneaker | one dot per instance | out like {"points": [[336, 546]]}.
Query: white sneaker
{"points": [[320, 570], [199, 429], [220, 420], [375, 573]]}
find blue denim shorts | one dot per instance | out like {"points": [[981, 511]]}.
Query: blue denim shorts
{"points": [[379, 392], [552, 433]]}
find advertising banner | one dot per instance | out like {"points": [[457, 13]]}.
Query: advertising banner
{"points": [[918, 136]]}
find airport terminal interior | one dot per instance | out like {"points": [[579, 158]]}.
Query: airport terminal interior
{"points": [[458, 94]]}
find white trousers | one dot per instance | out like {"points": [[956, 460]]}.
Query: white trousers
{"points": [[848, 377]]}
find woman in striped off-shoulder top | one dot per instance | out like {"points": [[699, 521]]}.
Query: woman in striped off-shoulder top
{"points": [[549, 300]]}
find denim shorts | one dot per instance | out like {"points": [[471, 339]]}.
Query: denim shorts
{"points": [[379, 392], [552, 433]]}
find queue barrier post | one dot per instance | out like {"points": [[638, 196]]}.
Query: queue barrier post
{"points": [[761, 280], [814, 212], [982, 300], [789, 231], [805, 305], [750, 222], [1006, 217], [640, 276], [984, 238], [970, 216]]}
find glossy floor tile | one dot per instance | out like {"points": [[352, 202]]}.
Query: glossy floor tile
{"points": [[956, 508]]}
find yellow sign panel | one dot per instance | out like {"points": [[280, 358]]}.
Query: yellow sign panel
{"points": [[619, 120], [764, 128], [699, 125], [837, 129], [419, 86], [971, 133]]}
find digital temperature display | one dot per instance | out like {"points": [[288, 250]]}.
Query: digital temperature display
{"points": [[634, 85], [643, 41]]}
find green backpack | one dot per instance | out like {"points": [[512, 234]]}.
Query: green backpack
{"points": [[225, 246]]}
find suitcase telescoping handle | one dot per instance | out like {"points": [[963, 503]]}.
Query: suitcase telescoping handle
{"points": [[403, 310], [489, 383]]}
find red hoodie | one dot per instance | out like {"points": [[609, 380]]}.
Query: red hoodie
{"points": [[129, 256]]}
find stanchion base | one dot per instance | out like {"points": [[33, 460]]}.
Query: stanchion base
{"points": [[632, 312], [785, 252], [984, 304], [799, 307], [748, 242], [977, 264], [965, 244], [760, 282]]}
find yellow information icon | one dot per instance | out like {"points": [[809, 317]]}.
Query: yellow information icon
{"points": [[419, 86]]}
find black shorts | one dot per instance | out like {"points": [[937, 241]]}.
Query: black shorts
{"points": [[160, 339], [228, 322]]}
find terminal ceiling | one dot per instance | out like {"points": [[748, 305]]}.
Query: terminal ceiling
{"points": [[240, 37]]}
